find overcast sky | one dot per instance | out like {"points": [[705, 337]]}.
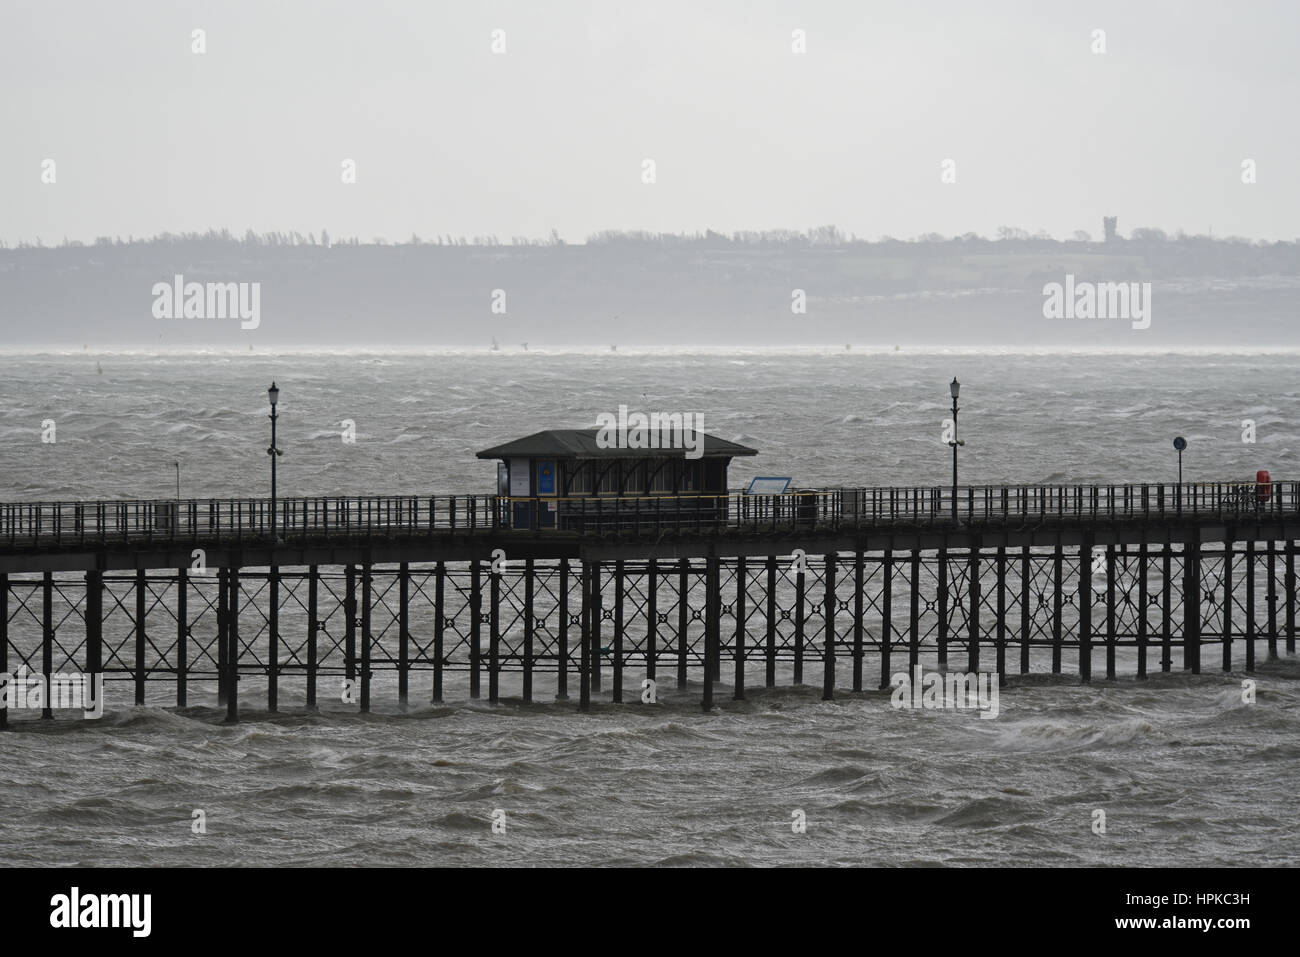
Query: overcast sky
{"points": [[449, 137]]}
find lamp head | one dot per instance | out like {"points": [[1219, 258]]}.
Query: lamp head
{"points": [[273, 394]]}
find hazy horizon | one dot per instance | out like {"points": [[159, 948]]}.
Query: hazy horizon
{"points": [[749, 124]]}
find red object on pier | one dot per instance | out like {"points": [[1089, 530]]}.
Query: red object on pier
{"points": [[1263, 485]]}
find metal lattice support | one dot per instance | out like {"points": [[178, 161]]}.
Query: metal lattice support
{"points": [[771, 615]]}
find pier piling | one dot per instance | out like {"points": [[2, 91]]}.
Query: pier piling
{"points": [[1272, 599], [313, 631], [232, 645], [494, 636], [584, 650], [742, 619], [1250, 605], [973, 638], [617, 638], [273, 641], [858, 623], [47, 643], [182, 635], [651, 619], [404, 633], [769, 645], [1227, 606], [141, 588], [439, 629], [529, 626], [4, 641], [828, 654], [1083, 599], [1058, 600], [366, 579], [562, 649]]}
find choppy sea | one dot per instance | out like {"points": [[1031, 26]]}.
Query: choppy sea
{"points": [[1186, 773]]}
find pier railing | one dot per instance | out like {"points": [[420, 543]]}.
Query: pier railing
{"points": [[38, 524]]}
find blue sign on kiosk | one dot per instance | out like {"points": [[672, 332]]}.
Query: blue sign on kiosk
{"points": [[546, 478]]}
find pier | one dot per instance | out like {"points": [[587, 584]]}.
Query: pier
{"points": [[355, 601]]}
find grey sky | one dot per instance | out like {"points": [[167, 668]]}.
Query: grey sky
{"points": [[451, 138]]}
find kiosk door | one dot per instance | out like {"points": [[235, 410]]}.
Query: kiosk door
{"points": [[520, 489], [546, 493]]}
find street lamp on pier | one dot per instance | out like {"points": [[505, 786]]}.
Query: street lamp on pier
{"points": [[955, 388], [273, 394], [1180, 444]]}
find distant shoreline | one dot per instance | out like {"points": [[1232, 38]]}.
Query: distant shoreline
{"points": [[634, 351]]}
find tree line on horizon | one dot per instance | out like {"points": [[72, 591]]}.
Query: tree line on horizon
{"points": [[816, 237]]}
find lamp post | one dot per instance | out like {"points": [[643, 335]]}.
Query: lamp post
{"points": [[954, 387], [273, 394], [178, 480], [1180, 443]]}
